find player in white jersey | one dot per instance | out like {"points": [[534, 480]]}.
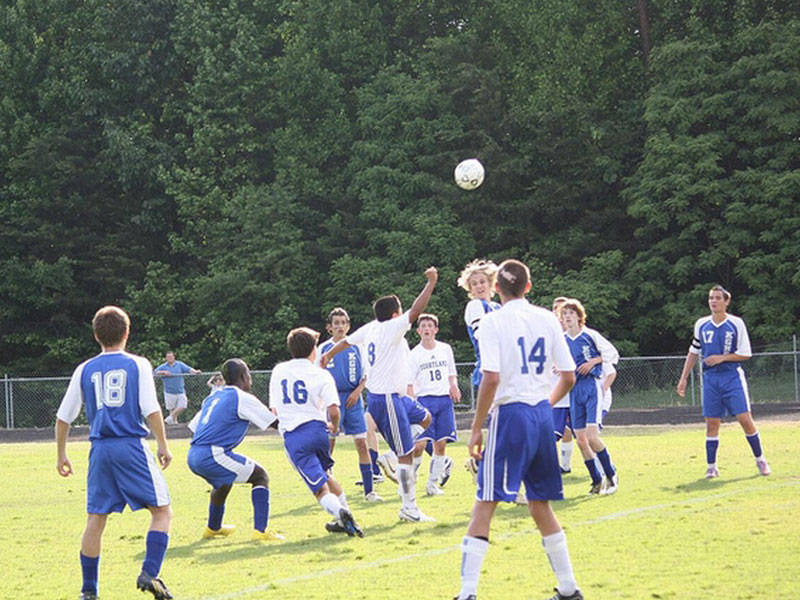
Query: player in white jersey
{"points": [[118, 393], [722, 341], [219, 426], [520, 344], [305, 399], [387, 381], [435, 386]]}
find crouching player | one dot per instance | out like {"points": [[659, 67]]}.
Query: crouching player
{"points": [[305, 399], [218, 428]]}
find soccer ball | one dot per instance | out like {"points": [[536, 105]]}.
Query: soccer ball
{"points": [[469, 174]]}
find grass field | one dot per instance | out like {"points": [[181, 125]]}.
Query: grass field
{"points": [[667, 533]]}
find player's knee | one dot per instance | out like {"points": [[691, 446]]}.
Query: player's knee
{"points": [[259, 477], [426, 421]]}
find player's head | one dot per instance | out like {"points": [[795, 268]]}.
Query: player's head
{"points": [[169, 356], [338, 322], [478, 279], [387, 307], [718, 298], [216, 379], [513, 279], [558, 302], [302, 342], [427, 326], [111, 326], [235, 372], [573, 313]]}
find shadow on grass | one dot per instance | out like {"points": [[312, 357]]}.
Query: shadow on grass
{"points": [[701, 484]]}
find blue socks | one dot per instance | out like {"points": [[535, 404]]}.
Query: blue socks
{"points": [[605, 460], [215, 514], [366, 476], [260, 497], [593, 472], [712, 443], [373, 458], [755, 444], [155, 549], [89, 569]]}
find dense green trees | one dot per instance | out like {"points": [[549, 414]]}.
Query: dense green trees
{"points": [[228, 170]]}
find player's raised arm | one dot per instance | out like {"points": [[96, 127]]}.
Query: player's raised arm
{"points": [[421, 301], [337, 347]]}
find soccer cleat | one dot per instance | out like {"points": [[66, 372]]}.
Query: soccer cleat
{"points": [[445, 476], [378, 478], [712, 472], [596, 487], [87, 596], [470, 597], [763, 466], [223, 531], [267, 536], [433, 490], [472, 468], [154, 585], [351, 528], [565, 470], [386, 466], [414, 515], [576, 595], [609, 485], [373, 497], [169, 420], [335, 527]]}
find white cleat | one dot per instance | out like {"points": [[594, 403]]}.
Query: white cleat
{"points": [[373, 497], [415, 515], [609, 485], [433, 490], [448, 467], [712, 472], [389, 470], [763, 466], [472, 468]]}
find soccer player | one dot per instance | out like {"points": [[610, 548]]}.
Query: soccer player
{"points": [[172, 372], [561, 422], [387, 381], [348, 374], [433, 368], [589, 351], [478, 279], [305, 399], [219, 427], [118, 393], [722, 341], [520, 344]]}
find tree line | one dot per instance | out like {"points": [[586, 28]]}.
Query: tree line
{"points": [[226, 171]]}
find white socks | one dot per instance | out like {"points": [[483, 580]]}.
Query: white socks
{"points": [[472, 552], [555, 546]]}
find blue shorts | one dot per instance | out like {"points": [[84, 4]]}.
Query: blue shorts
{"points": [[394, 415], [725, 393], [219, 466], [584, 403], [520, 448], [561, 421], [123, 471], [443, 419], [352, 421], [308, 449]]}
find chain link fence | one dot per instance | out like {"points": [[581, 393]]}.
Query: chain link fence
{"points": [[642, 382]]}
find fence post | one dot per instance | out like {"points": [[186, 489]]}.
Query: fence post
{"points": [[10, 398], [5, 396], [794, 357]]}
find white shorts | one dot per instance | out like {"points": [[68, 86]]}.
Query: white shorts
{"points": [[173, 401]]}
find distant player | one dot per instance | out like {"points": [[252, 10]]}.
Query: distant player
{"points": [[721, 340], [589, 350], [172, 372], [216, 382], [118, 393], [478, 279], [305, 399], [433, 368], [347, 372], [219, 427], [387, 381], [561, 422], [520, 344]]}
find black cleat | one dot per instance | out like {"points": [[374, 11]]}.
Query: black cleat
{"points": [[349, 523], [448, 467], [596, 487], [576, 595], [154, 585], [470, 597], [335, 527]]}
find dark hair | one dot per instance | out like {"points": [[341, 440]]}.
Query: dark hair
{"points": [[110, 325], [718, 288], [234, 370], [301, 342], [385, 307], [428, 317], [512, 277], [337, 312]]}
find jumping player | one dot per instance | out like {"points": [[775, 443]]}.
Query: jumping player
{"points": [[721, 340], [219, 427], [520, 344], [118, 393]]}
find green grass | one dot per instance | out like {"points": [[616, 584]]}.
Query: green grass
{"points": [[667, 533]]}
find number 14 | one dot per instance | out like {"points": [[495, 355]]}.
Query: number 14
{"points": [[537, 355]]}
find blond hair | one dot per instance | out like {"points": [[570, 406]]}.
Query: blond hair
{"points": [[479, 265]]}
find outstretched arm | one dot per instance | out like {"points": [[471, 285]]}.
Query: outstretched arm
{"points": [[337, 347], [424, 297]]}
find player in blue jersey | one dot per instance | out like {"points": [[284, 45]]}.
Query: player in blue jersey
{"points": [[478, 279], [305, 399], [348, 374], [721, 340], [561, 422], [219, 427], [589, 350], [395, 414], [520, 345], [118, 393], [172, 372]]}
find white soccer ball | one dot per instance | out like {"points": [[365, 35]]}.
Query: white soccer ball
{"points": [[469, 174]]}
